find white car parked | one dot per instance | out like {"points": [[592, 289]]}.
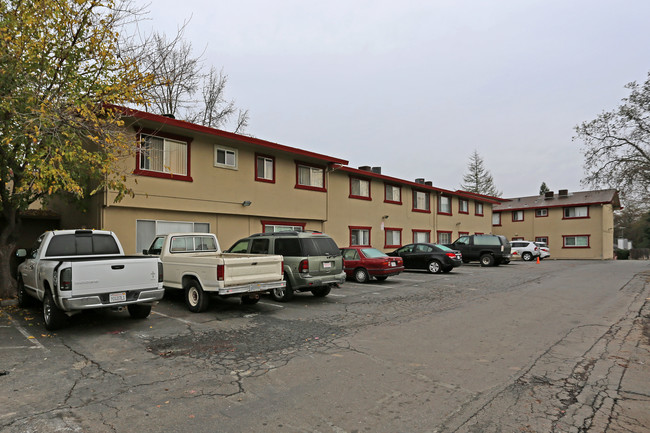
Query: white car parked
{"points": [[527, 250], [544, 250]]}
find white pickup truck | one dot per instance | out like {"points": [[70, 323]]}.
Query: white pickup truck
{"points": [[74, 270], [194, 263]]}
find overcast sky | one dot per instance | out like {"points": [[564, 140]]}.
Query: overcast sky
{"points": [[416, 86]]}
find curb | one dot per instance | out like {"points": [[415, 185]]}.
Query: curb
{"points": [[8, 302]]}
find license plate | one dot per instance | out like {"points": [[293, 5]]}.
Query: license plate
{"points": [[327, 265], [393, 264], [117, 297]]}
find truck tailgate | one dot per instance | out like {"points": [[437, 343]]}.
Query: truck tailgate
{"points": [[93, 277], [246, 269]]}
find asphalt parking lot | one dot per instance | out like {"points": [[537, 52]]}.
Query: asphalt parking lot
{"points": [[555, 346]]}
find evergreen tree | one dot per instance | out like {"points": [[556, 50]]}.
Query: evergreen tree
{"points": [[543, 189], [477, 179]]}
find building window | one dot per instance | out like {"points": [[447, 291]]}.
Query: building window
{"points": [[517, 238], [264, 168], [444, 205], [393, 194], [421, 236], [163, 156], [393, 238], [496, 219], [542, 239], [310, 177], [463, 234], [444, 237], [225, 157], [517, 215], [463, 205], [359, 188], [421, 201], [541, 212], [360, 236], [478, 208], [282, 226], [147, 230], [576, 241], [576, 212]]}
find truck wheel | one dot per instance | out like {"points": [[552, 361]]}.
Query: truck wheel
{"points": [[282, 294], [53, 317], [250, 300], [527, 256], [361, 275], [434, 267], [195, 298], [487, 260], [139, 311], [24, 300], [321, 292]]}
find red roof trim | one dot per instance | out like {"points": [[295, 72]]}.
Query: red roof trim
{"points": [[219, 133], [554, 206]]}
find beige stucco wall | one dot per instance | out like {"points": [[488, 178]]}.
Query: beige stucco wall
{"points": [[599, 226]]}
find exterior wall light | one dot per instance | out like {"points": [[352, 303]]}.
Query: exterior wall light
{"points": [[246, 203]]}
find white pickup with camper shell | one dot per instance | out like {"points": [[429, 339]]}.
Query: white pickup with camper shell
{"points": [[75, 270], [193, 262]]}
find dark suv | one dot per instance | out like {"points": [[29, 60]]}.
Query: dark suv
{"points": [[312, 260], [490, 250]]}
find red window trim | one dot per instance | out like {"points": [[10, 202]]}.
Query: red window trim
{"points": [[460, 211], [261, 179], [576, 247], [500, 216], [546, 237], [463, 234], [543, 216], [575, 218], [438, 232], [307, 187], [400, 194], [142, 172], [414, 231], [281, 223], [476, 203], [361, 197], [450, 205], [523, 216], [415, 201], [479, 233], [517, 238], [350, 228], [386, 245]]}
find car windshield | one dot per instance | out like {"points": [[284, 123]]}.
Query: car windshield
{"points": [[443, 248], [372, 253]]}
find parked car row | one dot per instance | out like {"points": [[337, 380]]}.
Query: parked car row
{"points": [[74, 270]]}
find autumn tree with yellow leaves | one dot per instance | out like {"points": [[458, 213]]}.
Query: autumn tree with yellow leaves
{"points": [[60, 72]]}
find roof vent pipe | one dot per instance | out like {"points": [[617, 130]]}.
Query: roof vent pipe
{"points": [[365, 168], [563, 193], [376, 170], [419, 180], [428, 183]]}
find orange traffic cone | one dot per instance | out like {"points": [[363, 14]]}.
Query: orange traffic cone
{"points": [[538, 260]]}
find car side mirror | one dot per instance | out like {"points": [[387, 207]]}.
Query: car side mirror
{"points": [[145, 252], [21, 253]]}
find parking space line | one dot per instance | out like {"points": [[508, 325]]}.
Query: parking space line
{"points": [[187, 322], [337, 295], [35, 343], [271, 304]]}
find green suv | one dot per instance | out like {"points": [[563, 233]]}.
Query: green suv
{"points": [[312, 260]]}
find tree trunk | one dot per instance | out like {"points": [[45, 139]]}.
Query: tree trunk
{"points": [[8, 237]]}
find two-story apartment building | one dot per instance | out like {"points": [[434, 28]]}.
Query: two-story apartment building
{"points": [[575, 225], [187, 177]]}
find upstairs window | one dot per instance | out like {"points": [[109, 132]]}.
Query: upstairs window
{"points": [[576, 212], [310, 177], [444, 205], [359, 188], [541, 212], [496, 219], [225, 157], [161, 156], [517, 215], [393, 194], [478, 208], [463, 206], [421, 201], [264, 168]]}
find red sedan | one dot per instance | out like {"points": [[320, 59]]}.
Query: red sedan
{"points": [[361, 263]]}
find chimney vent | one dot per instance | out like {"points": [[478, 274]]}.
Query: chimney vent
{"points": [[419, 180], [376, 170], [365, 168], [428, 183], [563, 193], [548, 195]]}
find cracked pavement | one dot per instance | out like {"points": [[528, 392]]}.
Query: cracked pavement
{"points": [[561, 346]]}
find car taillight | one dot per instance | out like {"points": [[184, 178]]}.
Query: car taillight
{"points": [[220, 272], [160, 272], [452, 255], [66, 279], [303, 267]]}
